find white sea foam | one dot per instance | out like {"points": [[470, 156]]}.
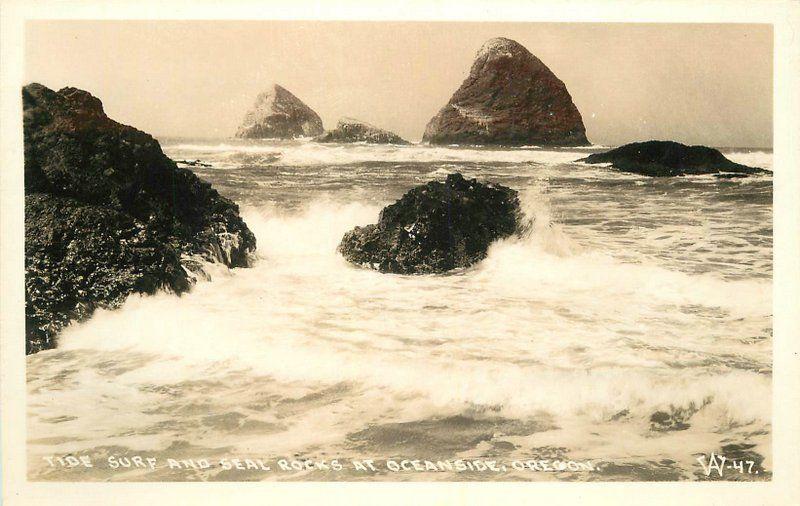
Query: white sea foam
{"points": [[292, 153], [503, 333], [605, 313], [760, 159]]}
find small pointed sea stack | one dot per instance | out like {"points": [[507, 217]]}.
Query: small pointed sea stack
{"points": [[436, 227], [278, 114], [510, 98], [353, 130]]}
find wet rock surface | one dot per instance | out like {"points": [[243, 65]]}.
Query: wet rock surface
{"points": [[509, 98], [278, 114], [436, 227], [667, 158], [353, 130], [107, 214]]}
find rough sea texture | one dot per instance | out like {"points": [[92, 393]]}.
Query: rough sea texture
{"points": [[632, 330]]}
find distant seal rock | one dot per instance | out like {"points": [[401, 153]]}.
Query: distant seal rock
{"points": [[509, 98], [353, 130], [278, 114], [107, 214], [436, 227], [668, 158]]}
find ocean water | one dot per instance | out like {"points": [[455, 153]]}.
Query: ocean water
{"points": [[629, 335]]}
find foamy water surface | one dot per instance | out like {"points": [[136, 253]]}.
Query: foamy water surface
{"points": [[632, 296]]}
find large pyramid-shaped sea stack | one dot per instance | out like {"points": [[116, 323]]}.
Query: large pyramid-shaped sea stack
{"points": [[509, 98], [278, 114]]}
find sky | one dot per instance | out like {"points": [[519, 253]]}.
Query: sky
{"points": [[705, 84]]}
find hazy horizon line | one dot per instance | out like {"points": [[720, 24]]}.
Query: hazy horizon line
{"points": [[702, 84]]}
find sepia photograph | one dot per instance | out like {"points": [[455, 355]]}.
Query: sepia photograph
{"points": [[331, 250]]}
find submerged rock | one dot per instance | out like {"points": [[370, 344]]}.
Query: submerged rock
{"points": [[661, 421], [509, 98], [107, 214], [353, 130], [436, 227], [667, 158], [278, 114]]}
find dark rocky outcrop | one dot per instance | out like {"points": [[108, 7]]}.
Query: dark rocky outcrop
{"points": [[509, 98], [278, 114], [667, 158], [107, 214], [436, 227], [353, 130]]}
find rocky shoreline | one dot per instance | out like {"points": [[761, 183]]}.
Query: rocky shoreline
{"points": [[107, 214]]}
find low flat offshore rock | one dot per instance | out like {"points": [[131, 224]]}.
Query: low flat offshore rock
{"points": [[353, 130], [668, 158]]}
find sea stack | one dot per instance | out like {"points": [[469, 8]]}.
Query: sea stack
{"points": [[436, 227], [510, 98], [668, 158], [107, 214], [353, 130], [278, 114]]}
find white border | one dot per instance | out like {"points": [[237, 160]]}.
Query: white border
{"points": [[785, 486]]}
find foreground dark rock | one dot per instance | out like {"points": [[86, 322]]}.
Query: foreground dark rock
{"points": [[107, 214], [436, 227], [509, 98], [667, 158], [353, 130], [278, 114]]}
